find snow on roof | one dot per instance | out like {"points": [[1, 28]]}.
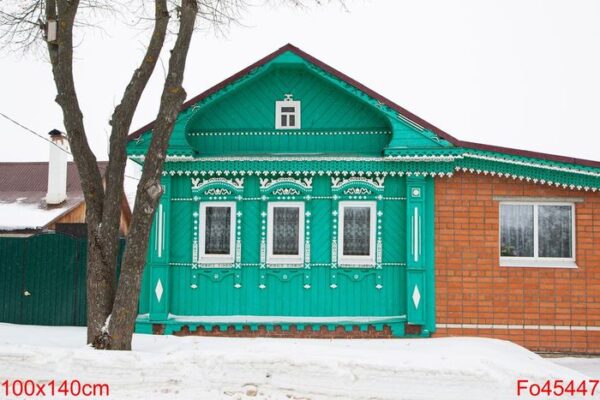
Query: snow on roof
{"points": [[26, 213], [23, 187]]}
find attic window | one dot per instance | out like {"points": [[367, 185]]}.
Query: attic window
{"points": [[287, 113]]}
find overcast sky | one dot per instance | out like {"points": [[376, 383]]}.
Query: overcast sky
{"points": [[522, 74]]}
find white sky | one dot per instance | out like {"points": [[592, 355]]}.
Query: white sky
{"points": [[517, 73]]}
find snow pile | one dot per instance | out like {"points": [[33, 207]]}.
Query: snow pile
{"points": [[169, 367]]}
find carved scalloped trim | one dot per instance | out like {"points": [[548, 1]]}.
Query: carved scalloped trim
{"points": [[377, 181], [199, 184]]}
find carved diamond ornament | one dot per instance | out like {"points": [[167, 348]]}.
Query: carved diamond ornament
{"points": [[416, 296], [158, 290]]}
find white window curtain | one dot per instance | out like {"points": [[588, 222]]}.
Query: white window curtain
{"points": [[554, 234], [217, 230], [516, 230], [286, 230], [357, 231]]}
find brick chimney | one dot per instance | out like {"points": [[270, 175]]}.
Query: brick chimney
{"points": [[57, 168]]}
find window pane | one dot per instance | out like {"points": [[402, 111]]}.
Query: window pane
{"points": [[516, 230], [292, 120], [283, 120], [288, 109], [554, 231], [217, 230], [357, 232], [286, 230]]}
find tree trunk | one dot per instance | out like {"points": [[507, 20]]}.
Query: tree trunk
{"points": [[149, 190], [101, 283], [103, 202], [61, 57], [102, 278]]}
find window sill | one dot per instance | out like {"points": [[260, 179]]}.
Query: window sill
{"points": [[284, 260], [285, 265], [208, 261], [537, 263], [356, 262]]}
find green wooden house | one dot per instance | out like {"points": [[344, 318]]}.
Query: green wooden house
{"points": [[297, 199]]}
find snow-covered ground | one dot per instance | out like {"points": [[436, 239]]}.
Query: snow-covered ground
{"points": [[169, 367], [586, 365]]}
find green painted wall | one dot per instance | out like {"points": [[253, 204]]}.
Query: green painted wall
{"points": [[196, 291], [332, 120], [251, 106]]}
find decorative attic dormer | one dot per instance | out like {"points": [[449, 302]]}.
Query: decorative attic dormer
{"points": [[287, 113]]}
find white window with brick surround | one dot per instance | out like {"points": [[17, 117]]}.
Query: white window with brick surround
{"points": [[537, 234]]}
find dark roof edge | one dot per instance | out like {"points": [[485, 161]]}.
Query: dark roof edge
{"points": [[416, 119], [529, 153]]}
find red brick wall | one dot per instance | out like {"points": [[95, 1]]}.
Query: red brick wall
{"points": [[475, 296]]}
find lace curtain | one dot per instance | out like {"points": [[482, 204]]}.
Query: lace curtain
{"points": [[286, 230], [554, 233], [217, 230], [357, 231], [516, 230]]}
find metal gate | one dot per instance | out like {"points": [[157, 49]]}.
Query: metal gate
{"points": [[43, 279]]}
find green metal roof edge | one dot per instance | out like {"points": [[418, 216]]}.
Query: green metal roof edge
{"points": [[443, 161]]}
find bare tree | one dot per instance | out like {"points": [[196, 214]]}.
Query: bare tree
{"points": [[112, 309]]}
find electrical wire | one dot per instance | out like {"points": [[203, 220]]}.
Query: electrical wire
{"points": [[46, 139], [33, 132]]}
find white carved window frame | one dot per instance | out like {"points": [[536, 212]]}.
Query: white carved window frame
{"points": [[278, 259], [204, 258], [279, 106], [353, 259]]}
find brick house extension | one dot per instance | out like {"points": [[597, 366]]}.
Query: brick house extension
{"points": [[298, 202], [543, 308]]}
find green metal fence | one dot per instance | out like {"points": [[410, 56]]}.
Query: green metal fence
{"points": [[43, 279]]}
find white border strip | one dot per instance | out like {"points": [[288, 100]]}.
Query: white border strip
{"points": [[159, 245], [278, 319], [526, 327], [399, 158]]}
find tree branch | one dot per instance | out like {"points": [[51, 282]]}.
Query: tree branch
{"points": [[61, 57], [173, 95], [121, 121]]}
